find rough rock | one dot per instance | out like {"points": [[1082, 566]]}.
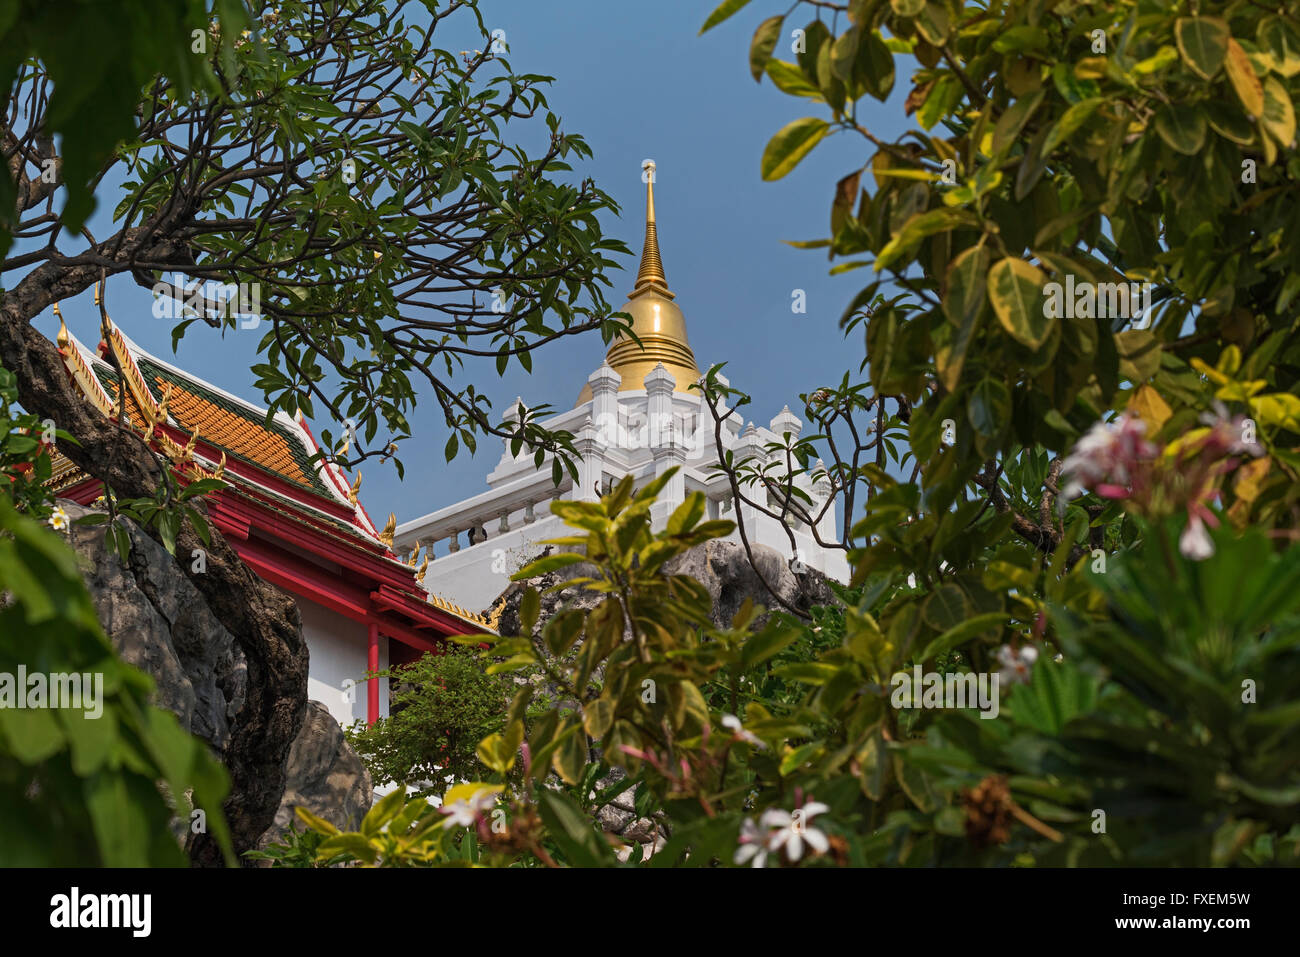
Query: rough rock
{"points": [[325, 776], [721, 566], [160, 623]]}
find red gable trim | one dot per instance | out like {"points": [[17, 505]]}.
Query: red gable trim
{"points": [[381, 593]]}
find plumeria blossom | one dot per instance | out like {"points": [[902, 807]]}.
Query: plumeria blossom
{"points": [[1017, 664], [1195, 542], [1107, 459], [1234, 435], [789, 832], [731, 722], [468, 811], [783, 832], [59, 519], [753, 845]]}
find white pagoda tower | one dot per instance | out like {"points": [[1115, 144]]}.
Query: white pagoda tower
{"points": [[636, 415]]}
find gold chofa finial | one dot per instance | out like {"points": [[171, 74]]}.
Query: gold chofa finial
{"points": [[352, 492], [651, 273]]}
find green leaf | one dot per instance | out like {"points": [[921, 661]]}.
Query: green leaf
{"points": [[1279, 115], [1203, 42], [765, 644], [961, 633], [572, 831], [945, 607], [352, 845], [989, 407], [724, 11], [873, 67], [1070, 121], [788, 78], [962, 304], [687, 515], [932, 23], [549, 563], [1182, 127], [1015, 289], [570, 756], [764, 42], [791, 144], [917, 229]]}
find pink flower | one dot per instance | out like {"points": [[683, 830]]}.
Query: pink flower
{"points": [[1107, 458], [1235, 435]]}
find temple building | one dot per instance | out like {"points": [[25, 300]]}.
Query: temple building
{"points": [[294, 519], [635, 415]]}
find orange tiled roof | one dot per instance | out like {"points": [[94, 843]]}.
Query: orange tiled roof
{"points": [[227, 430]]}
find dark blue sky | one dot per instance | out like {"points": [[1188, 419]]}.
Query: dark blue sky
{"points": [[636, 81]]}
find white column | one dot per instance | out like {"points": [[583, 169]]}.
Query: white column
{"points": [[590, 464]]}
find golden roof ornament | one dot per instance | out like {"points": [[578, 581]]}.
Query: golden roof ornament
{"points": [[424, 567], [352, 492], [390, 527]]}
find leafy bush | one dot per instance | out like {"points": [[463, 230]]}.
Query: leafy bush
{"points": [[441, 707]]}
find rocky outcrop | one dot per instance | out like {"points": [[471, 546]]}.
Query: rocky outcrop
{"points": [[325, 776], [721, 566], [158, 621]]}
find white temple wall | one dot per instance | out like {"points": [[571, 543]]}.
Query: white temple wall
{"points": [[337, 648]]}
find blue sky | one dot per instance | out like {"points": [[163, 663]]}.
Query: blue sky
{"points": [[637, 82]]}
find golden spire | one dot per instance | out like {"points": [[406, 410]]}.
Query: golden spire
{"points": [[657, 321], [651, 273]]}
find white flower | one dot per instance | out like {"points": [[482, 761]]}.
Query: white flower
{"points": [[59, 519], [752, 846], [1195, 542], [1017, 665], [788, 832], [733, 723], [466, 812]]}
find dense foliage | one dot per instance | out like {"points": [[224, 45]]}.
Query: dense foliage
{"points": [[1163, 733], [1064, 486]]}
